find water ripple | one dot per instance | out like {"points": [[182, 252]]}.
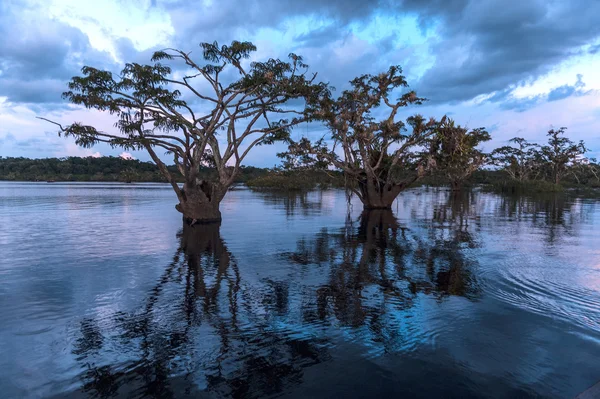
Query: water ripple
{"points": [[104, 293], [537, 288]]}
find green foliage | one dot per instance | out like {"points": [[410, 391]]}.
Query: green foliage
{"points": [[521, 163], [118, 169], [586, 172], [560, 153], [559, 162], [299, 156], [233, 108], [101, 169], [297, 180], [456, 152], [373, 149], [244, 105], [78, 169]]}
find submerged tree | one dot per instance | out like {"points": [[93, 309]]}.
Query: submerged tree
{"points": [[457, 155], [586, 172], [561, 157], [560, 153], [521, 162], [231, 109], [379, 158]]}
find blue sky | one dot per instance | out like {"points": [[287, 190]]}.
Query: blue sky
{"points": [[517, 68]]}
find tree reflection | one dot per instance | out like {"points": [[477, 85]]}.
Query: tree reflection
{"points": [[449, 270], [555, 215], [197, 332], [295, 203], [376, 267]]}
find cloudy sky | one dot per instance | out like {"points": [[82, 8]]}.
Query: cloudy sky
{"points": [[517, 68]]}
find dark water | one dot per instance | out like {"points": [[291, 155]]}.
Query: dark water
{"points": [[102, 293]]}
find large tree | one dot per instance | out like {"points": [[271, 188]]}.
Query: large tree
{"points": [[521, 162], [457, 155], [378, 156], [213, 111], [560, 153]]}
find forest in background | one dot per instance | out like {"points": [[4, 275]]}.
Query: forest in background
{"points": [[116, 169], [102, 169]]}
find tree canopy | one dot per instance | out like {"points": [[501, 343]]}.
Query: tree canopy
{"points": [[561, 152], [456, 152], [552, 162], [221, 106], [520, 162], [371, 148]]}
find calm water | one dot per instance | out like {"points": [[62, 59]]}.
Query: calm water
{"points": [[103, 294]]}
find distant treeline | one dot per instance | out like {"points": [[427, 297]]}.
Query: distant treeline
{"points": [[105, 169], [115, 169]]}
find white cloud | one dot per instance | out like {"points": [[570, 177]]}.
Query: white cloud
{"points": [[586, 65], [107, 20], [126, 155]]}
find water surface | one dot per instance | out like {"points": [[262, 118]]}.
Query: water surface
{"points": [[103, 293]]}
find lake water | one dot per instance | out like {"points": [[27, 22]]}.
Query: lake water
{"points": [[103, 294]]}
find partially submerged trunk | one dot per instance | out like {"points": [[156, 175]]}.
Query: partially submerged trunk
{"points": [[376, 196], [199, 201], [208, 261], [376, 225], [197, 241], [456, 185]]}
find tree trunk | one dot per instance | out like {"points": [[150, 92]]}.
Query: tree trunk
{"points": [[376, 225], [374, 196], [206, 253], [456, 185], [201, 200]]}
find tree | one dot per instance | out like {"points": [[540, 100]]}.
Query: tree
{"points": [[560, 153], [128, 175], [379, 157], [586, 172], [457, 155], [230, 105], [521, 163]]}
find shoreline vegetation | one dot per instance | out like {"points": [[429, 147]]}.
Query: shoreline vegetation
{"points": [[115, 169]]}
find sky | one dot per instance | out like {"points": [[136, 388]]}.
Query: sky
{"points": [[517, 68]]}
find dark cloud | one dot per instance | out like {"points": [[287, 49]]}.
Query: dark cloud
{"points": [[224, 20], [479, 47], [34, 91], [127, 53], [518, 104], [565, 91], [486, 46], [38, 57], [321, 36], [594, 49]]}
